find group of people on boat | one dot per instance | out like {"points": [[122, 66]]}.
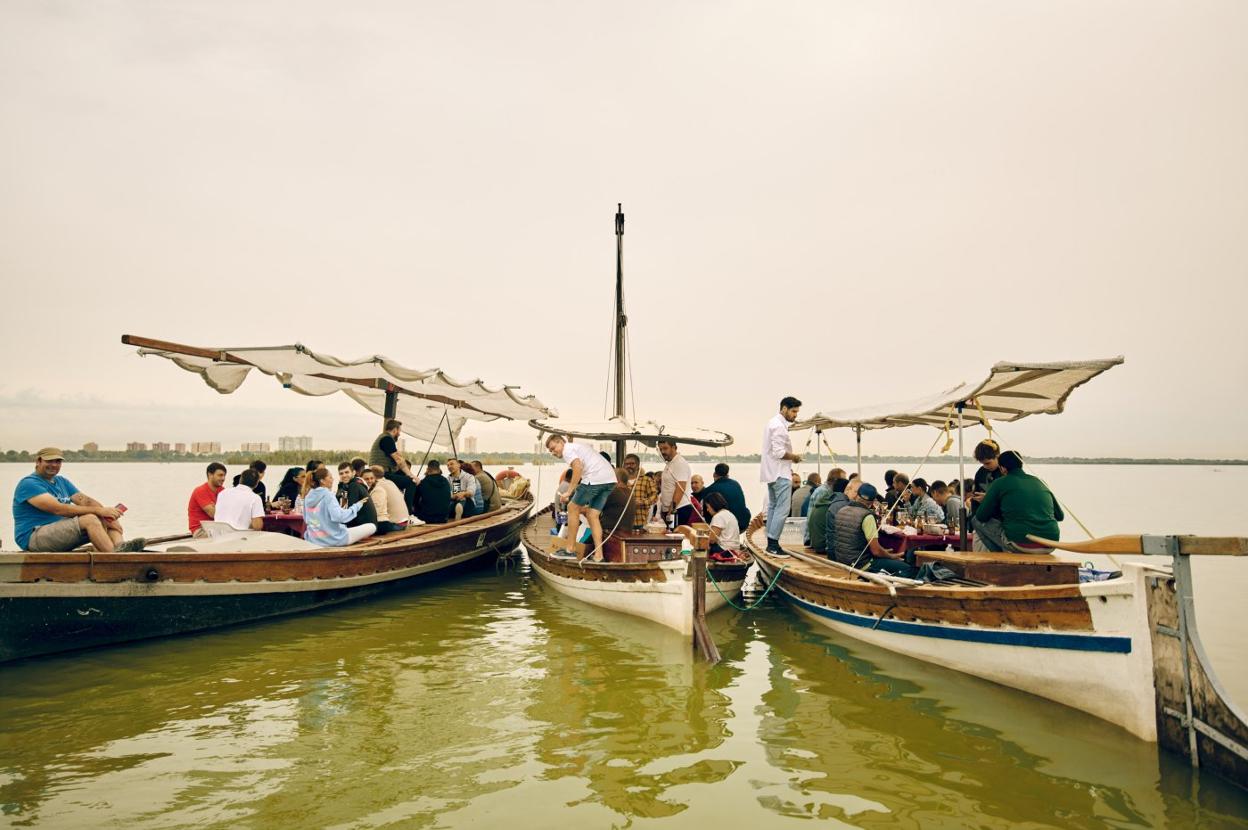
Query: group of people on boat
{"points": [[365, 500], [627, 498], [50, 514], [1006, 505]]}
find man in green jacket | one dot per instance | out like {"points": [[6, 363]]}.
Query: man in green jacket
{"points": [[1015, 506]]}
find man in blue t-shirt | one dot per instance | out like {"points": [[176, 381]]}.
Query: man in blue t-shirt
{"points": [[50, 514]]}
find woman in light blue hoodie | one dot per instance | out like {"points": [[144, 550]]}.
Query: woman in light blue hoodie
{"points": [[325, 520]]}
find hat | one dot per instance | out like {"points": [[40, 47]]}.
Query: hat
{"points": [[868, 492], [50, 454]]}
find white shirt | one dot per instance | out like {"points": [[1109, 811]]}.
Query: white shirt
{"points": [[729, 530], [594, 468], [776, 444], [676, 470], [237, 506]]}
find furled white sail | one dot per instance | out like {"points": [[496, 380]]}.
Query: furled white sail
{"points": [[624, 429]]}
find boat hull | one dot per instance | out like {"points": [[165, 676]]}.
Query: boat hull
{"points": [[657, 591], [1086, 646], [46, 615]]}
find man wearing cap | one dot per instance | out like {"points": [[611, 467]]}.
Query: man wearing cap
{"points": [[857, 532], [50, 514]]}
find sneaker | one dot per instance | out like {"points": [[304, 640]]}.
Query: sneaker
{"points": [[563, 553], [773, 546], [132, 545]]}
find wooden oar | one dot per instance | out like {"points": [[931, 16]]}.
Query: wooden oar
{"points": [[1188, 545]]}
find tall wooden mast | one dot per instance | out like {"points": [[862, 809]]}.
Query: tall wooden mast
{"points": [[621, 320]]}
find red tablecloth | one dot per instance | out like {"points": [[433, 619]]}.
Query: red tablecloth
{"points": [[921, 541], [288, 523]]}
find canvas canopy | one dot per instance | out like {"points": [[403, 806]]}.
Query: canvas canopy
{"points": [[430, 403], [1010, 392], [623, 429]]}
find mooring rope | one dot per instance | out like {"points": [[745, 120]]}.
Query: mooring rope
{"points": [[753, 605]]}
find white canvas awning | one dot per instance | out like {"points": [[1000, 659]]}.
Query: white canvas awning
{"points": [[429, 402], [1010, 392], [623, 429]]}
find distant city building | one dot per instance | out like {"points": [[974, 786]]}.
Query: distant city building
{"points": [[90, 446], [295, 442], [160, 446], [254, 446], [470, 445], [179, 447], [206, 448], [136, 446]]}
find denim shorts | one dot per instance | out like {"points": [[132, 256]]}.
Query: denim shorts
{"points": [[592, 496]]}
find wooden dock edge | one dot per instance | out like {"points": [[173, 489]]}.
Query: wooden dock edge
{"points": [[1195, 715]]}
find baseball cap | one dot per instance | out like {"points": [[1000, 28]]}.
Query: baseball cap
{"points": [[50, 454], [868, 491]]}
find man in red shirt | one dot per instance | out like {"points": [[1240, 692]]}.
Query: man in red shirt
{"points": [[203, 504]]}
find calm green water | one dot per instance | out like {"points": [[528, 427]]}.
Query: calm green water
{"points": [[490, 701]]}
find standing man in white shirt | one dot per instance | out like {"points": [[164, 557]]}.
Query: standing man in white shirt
{"points": [[776, 468], [593, 479], [240, 506], [674, 489]]}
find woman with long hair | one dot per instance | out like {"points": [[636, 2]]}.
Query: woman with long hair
{"points": [[325, 522]]}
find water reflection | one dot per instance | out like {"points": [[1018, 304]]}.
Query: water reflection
{"points": [[927, 743], [488, 700]]}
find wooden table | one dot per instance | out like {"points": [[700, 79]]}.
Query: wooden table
{"points": [[289, 523]]}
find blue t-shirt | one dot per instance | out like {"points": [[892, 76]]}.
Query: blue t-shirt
{"points": [[26, 517]]}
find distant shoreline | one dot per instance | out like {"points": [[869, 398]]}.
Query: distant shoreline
{"points": [[285, 458]]}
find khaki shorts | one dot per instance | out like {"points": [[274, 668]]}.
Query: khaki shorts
{"points": [[63, 535]]}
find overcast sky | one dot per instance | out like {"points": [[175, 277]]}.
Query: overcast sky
{"points": [[849, 202]]}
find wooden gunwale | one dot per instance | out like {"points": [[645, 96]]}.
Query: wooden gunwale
{"points": [[1037, 607], [538, 528], [412, 547]]}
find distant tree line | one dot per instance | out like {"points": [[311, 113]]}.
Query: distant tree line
{"points": [[297, 458]]}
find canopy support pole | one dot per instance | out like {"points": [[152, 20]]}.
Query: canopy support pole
{"points": [[392, 404], [429, 448], [858, 438], [450, 432], [819, 452], [961, 483]]}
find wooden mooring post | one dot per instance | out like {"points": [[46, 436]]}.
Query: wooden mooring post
{"points": [[701, 634]]}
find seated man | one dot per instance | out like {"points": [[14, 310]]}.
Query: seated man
{"points": [[465, 491], [433, 496], [259, 466], [491, 495], [239, 506], [388, 500], [856, 540], [944, 496], [202, 506], [1017, 504], [897, 500], [817, 515], [50, 514], [352, 489], [731, 491]]}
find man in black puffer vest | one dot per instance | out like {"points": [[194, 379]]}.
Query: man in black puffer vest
{"points": [[855, 542]]}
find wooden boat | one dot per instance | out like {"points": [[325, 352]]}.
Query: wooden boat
{"points": [[52, 602], [653, 580], [661, 590], [1125, 649]]}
